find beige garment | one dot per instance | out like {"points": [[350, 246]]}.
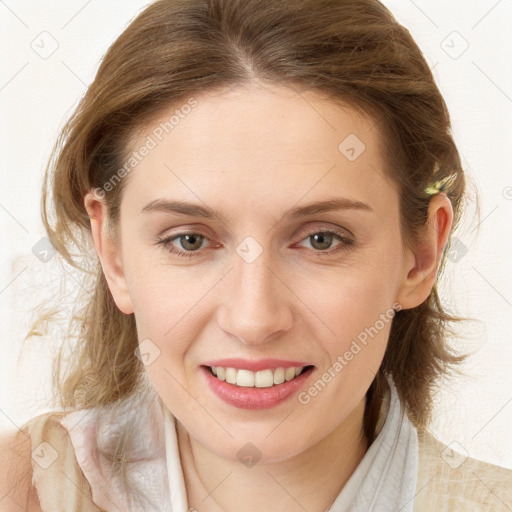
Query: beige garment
{"points": [[446, 481], [450, 482], [61, 485]]}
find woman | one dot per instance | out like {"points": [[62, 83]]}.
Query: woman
{"points": [[269, 188]]}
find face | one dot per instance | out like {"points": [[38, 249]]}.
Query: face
{"points": [[261, 234]]}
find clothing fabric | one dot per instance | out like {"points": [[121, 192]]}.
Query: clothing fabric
{"points": [[403, 469], [385, 479]]}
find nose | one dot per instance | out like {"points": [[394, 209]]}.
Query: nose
{"points": [[257, 302]]}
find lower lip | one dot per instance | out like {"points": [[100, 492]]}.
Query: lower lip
{"points": [[254, 398]]}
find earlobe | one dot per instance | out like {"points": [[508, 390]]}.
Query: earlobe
{"points": [[422, 263], [108, 251]]}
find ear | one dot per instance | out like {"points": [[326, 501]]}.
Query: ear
{"points": [[422, 262], [108, 250]]}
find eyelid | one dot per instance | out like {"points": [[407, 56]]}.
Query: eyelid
{"points": [[167, 240], [345, 238], [323, 228], [345, 242]]}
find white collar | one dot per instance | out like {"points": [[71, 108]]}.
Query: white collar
{"points": [[385, 479]]}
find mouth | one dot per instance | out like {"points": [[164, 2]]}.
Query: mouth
{"points": [[255, 385], [265, 378]]}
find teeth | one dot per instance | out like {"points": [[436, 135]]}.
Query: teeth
{"points": [[279, 376], [289, 374], [245, 378], [261, 379], [264, 379], [231, 375]]}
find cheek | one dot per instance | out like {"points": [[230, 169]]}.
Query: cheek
{"points": [[355, 305], [340, 299], [165, 296], [354, 308], [349, 298]]}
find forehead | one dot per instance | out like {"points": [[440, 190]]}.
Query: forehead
{"points": [[257, 144]]}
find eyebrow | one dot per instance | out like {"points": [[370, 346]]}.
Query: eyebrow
{"points": [[195, 210]]}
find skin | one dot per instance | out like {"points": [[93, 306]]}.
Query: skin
{"points": [[252, 154]]}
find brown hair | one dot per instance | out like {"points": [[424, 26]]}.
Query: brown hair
{"points": [[355, 52]]}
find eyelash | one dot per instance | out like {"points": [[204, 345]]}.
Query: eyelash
{"points": [[344, 245]]}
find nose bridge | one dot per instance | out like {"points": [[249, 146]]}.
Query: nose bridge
{"points": [[256, 305]]}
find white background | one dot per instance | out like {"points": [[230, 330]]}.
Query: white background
{"points": [[38, 94]]}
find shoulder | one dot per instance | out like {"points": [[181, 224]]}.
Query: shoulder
{"points": [[448, 479], [16, 488], [43, 467]]}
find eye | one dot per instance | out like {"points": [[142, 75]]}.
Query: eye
{"points": [[322, 241], [190, 242]]}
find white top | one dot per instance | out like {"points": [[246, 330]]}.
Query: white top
{"points": [[385, 480]]}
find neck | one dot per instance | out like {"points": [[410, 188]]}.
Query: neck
{"points": [[309, 481]]}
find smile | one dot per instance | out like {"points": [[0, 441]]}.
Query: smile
{"points": [[266, 378]]}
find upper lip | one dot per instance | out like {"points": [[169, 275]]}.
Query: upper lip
{"points": [[254, 365]]}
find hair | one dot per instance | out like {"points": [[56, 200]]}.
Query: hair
{"points": [[351, 51]]}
